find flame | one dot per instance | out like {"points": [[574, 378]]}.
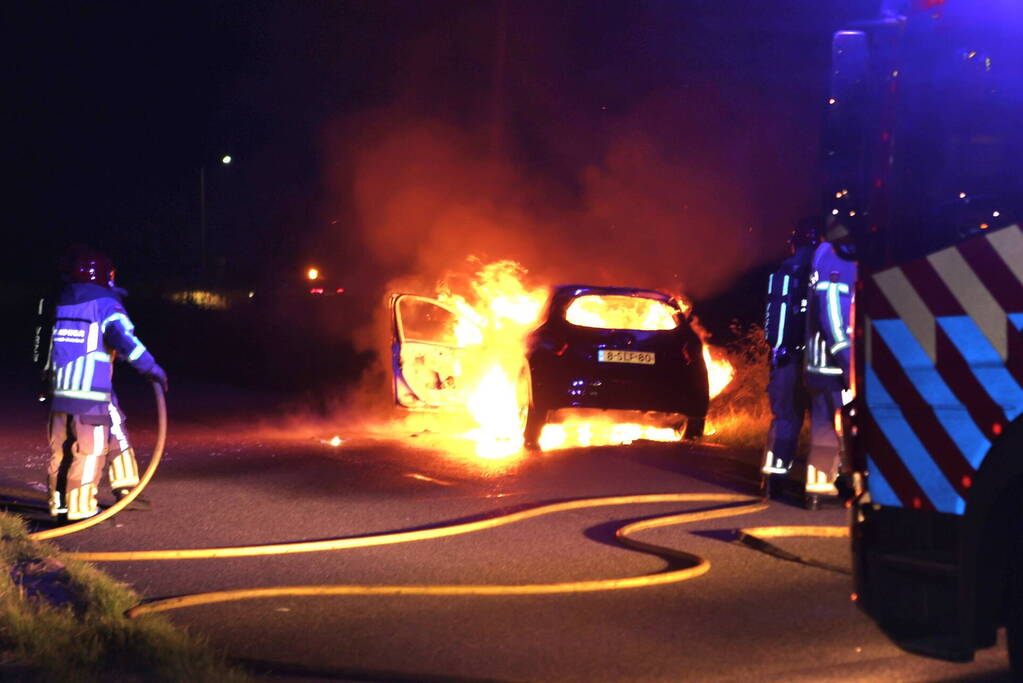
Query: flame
{"points": [[495, 407], [583, 431], [621, 313], [720, 372], [497, 313]]}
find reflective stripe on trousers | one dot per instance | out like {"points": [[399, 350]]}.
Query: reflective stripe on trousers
{"points": [[123, 470], [77, 454]]}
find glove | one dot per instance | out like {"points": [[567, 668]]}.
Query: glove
{"points": [[157, 374]]}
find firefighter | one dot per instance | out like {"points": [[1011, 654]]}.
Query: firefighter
{"points": [[90, 331], [827, 362], [784, 329]]}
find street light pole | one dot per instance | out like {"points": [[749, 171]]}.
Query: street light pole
{"points": [[202, 223], [225, 160]]}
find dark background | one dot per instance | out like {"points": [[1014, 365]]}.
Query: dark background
{"points": [[655, 143]]}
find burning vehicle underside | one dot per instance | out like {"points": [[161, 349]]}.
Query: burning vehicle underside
{"points": [[572, 365]]}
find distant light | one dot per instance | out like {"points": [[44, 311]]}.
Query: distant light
{"points": [[971, 54], [996, 214], [895, 74], [312, 273], [984, 226], [962, 195], [339, 290], [316, 290], [852, 213], [252, 294], [832, 100], [335, 441], [226, 159], [834, 212], [987, 64]]}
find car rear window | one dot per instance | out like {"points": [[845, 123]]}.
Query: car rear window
{"points": [[621, 312]]}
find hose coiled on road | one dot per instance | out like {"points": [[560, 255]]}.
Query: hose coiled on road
{"points": [[694, 565]]}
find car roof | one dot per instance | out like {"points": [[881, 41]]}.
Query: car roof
{"points": [[562, 291]]}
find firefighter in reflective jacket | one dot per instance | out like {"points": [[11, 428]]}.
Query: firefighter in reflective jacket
{"points": [[90, 331], [828, 355], [785, 331]]}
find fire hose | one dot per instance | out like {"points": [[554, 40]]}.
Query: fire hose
{"points": [[694, 565]]}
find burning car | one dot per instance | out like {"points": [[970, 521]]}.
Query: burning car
{"points": [[605, 348], [616, 348]]}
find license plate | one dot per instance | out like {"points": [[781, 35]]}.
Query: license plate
{"points": [[633, 357]]}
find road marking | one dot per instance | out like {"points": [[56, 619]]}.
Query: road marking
{"points": [[432, 480]]}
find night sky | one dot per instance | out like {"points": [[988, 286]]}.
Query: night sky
{"points": [[667, 143]]}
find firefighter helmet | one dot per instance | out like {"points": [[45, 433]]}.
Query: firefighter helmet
{"points": [[807, 233], [85, 264]]}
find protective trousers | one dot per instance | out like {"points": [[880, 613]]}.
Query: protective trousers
{"points": [[824, 463], [789, 402], [77, 455]]}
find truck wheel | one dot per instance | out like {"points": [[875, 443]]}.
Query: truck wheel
{"points": [[1014, 604]]}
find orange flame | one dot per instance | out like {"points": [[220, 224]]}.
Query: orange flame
{"points": [[720, 371], [583, 431]]}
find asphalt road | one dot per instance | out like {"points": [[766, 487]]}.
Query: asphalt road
{"points": [[237, 471]]}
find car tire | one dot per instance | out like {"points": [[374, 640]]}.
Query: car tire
{"points": [[524, 394], [694, 428], [531, 416], [535, 420]]}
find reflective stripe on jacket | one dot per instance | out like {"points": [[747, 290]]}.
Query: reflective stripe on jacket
{"points": [[91, 329], [828, 326], [785, 314]]}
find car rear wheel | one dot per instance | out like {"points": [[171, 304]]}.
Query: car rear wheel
{"points": [[535, 421], [531, 417], [694, 428]]}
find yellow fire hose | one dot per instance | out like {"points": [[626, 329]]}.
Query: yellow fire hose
{"points": [[161, 438], [696, 565], [435, 532]]}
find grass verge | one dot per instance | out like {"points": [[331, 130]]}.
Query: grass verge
{"points": [[741, 415], [62, 619]]}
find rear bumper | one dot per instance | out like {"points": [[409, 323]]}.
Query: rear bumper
{"points": [[668, 390]]}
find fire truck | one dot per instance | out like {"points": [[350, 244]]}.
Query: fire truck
{"points": [[924, 189]]}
